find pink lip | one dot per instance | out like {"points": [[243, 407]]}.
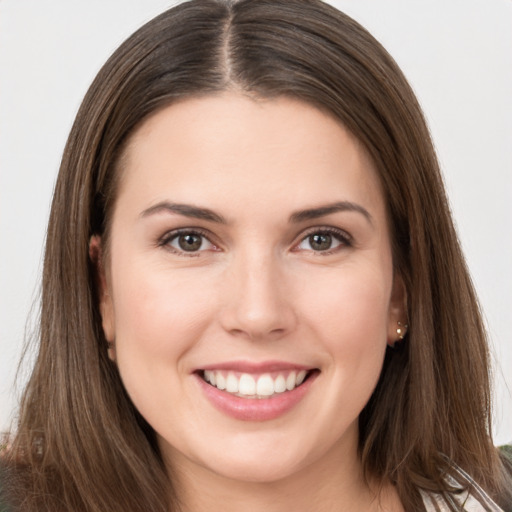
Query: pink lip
{"points": [[254, 409]]}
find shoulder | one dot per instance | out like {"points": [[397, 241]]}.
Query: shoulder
{"points": [[466, 495]]}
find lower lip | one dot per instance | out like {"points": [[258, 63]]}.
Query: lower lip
{"points": [[255, 409]]}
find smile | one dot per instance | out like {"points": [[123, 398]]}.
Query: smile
{"points": [[247, 385], [255, 392]]}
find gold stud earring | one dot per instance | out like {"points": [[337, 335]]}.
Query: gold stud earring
{"points": [[401, 330]]}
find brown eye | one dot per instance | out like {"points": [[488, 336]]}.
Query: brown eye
{"points": [[190, 242], [184, 242], [325, 241], [320, 241]]}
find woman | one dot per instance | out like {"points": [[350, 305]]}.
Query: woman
{"points": [[253, 292]]}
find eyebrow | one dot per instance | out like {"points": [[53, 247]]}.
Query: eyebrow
{"points": [[196, 212], [186, 210], [321, 211]]}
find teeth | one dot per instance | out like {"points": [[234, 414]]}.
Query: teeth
{"points": [[265, 386], [220, 381], [300, 377], [231, 383], [209, 376], [280, 384], [249, 386], [291, 381]]}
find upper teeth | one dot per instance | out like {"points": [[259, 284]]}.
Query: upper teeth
{"points": [[247, 385]]}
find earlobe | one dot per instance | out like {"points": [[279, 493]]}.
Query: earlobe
{"points": [[397, 322], [104, 297]]}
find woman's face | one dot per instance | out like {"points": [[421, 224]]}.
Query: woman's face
{"points": [[249, 290]]}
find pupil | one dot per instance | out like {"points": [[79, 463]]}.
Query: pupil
{"points": [[320, 242], [189, 242]]}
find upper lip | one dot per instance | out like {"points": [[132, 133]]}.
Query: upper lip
{"points": [[256, 367]]}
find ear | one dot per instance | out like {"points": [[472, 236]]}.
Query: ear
{"points": [[397, 317], [103, 293]]}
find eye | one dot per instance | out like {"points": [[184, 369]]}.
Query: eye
{"points": [[190, 242], [324, 240]]}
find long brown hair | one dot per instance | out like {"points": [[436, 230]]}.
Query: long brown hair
{"points": [[80, 443]]}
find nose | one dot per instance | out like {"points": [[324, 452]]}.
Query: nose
{"points": [[258, 304]]}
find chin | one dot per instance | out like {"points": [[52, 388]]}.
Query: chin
{"points": [[260, 461], [262, 471]]}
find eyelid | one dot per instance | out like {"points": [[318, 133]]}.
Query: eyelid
{"points": [[168, 236], [341, 235], [345, 239]]}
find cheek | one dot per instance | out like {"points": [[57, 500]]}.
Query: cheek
{"points": [[349, 318], [351, 306], [158, 314], [158, 320]]}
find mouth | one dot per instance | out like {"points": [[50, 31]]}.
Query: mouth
{"points": [[256, 391], [262, 385]]}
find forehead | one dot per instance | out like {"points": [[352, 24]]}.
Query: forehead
{"points": [[228, 150]]}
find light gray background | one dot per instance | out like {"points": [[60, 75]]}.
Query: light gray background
{"points": [[456, 53]]}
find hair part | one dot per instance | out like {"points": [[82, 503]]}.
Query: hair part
{"points": [[78, 429]]}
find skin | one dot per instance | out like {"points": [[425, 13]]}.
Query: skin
{"points": [[256, 290]]}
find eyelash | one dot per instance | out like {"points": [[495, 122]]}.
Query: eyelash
{"points": [[170, 236], [344, 239], [341, 236]]}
